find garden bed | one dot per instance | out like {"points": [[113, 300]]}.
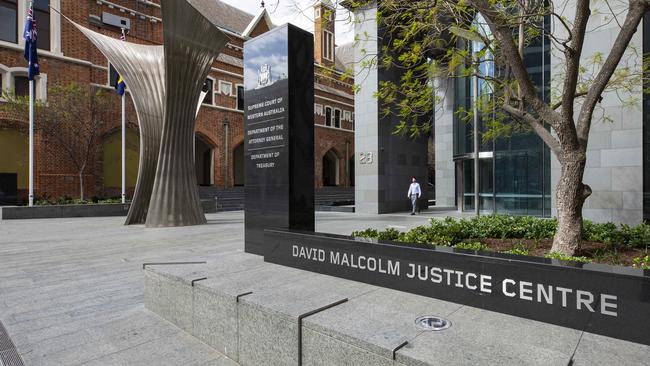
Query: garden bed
{"points": [[86, 209], [524, 235]]}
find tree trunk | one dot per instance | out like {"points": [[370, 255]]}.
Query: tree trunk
{"points": [[571, 194], [81, 184]]}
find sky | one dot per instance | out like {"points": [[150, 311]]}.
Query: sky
{"points": [[299, 13]]}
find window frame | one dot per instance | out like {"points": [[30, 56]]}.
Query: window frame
{"points": [[111, 81], [17, 22], [328, 120], [9, 80], [38, 13], [237, 86], [339, 114], [223, 82], [328, 45], [210, 92], [318, 109]]}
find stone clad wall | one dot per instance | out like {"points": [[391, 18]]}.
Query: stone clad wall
{"points": [[367, 114], [614, 155], [444, 143]]}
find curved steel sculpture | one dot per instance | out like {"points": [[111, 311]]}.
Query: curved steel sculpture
{"points": [[191, 43], [143, 70], [165, 83]]}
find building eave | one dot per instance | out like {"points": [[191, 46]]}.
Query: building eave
{"points": [[262, 15]]}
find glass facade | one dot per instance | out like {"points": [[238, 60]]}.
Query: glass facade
{"points": [[514, 172]]}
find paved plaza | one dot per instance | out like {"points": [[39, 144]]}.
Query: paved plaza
{"points": [[71, 293]]}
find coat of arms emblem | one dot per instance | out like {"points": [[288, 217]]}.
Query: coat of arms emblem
{"points": [[264, 76]]}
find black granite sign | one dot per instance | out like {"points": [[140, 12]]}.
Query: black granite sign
{"points": [[279, 133], [601, 299]]}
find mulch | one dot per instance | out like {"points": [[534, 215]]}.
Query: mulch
{"points": [[595, 251]]}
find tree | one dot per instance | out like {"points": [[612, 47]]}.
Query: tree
{"points": [[430, 38], [71, 117]]}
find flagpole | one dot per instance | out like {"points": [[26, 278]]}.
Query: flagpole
{"points": [[31, 142], [123, 148]]}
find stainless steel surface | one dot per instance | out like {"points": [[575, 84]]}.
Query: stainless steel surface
{"points": [[166, 192], [433, 323], [191, 43], [143, 70]]}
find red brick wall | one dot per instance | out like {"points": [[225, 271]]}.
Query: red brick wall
{"points": [[56, 175]]}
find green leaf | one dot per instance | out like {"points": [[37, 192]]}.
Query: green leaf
{"points": [[465, 34]]}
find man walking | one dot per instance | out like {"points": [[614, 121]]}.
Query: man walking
{"points": [[414, 194]]}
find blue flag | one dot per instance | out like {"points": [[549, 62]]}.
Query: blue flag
{"points": [[31, 51], [120, 85]]}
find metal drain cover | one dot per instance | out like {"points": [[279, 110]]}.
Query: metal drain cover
{"points": [[430, 322]]}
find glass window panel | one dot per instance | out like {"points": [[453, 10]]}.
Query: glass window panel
{"points": [[112, 76], [337, 118], [328, 116], [468, 184], [21, 86], [8, 21], [240, 97], [42, 17], [486, 185], [208, 87]]}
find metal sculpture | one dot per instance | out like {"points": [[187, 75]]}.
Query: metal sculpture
{"points": [[191, 42], [165, 83]]}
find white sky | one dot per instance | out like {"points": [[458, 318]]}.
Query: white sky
{"points": [[299, 13]]}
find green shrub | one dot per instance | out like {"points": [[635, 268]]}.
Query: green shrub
{"points": [[451, 231], [389, 234], [641, 262], [417, 235], [538, 228], [637, 236], [66, 200], [607, 233], [477, 246], [368, 233], [518, 249], [564, 257]]}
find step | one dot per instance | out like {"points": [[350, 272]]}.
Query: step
{"points": [[258, 313]]}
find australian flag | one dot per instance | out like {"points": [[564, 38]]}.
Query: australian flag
{"points": [[31, 52], [119, 83]]}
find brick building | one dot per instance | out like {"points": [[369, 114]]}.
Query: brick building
{"points": [[66, 56]]}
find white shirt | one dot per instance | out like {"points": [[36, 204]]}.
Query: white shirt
{"points": [[414, 189]]}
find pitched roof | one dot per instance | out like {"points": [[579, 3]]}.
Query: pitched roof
{"points": [[226, 16], [251, 26]]}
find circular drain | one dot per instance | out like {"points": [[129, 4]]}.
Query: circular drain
{"points": [[430, 322]]}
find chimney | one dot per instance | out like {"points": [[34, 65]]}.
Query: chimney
{"points": [[324, 46]]}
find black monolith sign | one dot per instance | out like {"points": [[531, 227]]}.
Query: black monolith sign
{"points": [[279, 133]]}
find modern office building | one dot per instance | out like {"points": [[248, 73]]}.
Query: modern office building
{"points": [[66, 56], [517, 174]]}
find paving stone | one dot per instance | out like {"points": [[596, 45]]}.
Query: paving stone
{"points": [[378, 321], [600, 350], [74, 294], [480, 337]]}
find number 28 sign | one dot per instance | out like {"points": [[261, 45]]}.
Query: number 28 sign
{"points": [[366, 158]]}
